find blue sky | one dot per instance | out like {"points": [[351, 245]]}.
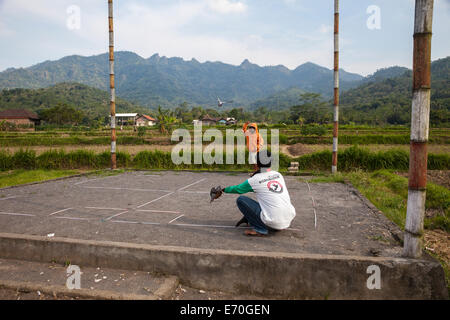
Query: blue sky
{"points": [[267, 32]]}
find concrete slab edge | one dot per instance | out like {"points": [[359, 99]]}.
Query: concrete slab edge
{"points": [[58, 291], [270, 274]]}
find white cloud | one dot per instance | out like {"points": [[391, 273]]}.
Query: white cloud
{"points": [[227, 6], [43, 8], [325, 29]]}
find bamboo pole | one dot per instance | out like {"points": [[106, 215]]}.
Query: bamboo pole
{"points": [[112, 85], [420, 118], [336, 87]]}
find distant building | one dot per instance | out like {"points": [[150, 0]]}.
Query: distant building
{"points": [[231, 121], [144, 121], [207, 120], [227, 121], [126, 118], [20, 117]]}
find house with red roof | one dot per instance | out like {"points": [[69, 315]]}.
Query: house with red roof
{"points": [[20, 117], [145, 120]]}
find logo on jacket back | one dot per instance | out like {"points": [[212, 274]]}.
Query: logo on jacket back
{"points": [[275, 186]]}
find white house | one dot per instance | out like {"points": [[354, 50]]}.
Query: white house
{"points": [[144, 120]]}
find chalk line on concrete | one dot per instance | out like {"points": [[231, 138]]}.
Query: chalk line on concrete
{"points": [[143, 205], [314, 206], [176, 218], [116, 215], [63, 210], [7, 198], [17, 214]]}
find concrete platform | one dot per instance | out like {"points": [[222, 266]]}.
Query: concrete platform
{"points": [[95, 283], [170, 212]]}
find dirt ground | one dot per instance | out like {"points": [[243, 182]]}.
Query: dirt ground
{"points": [[438, 242]]}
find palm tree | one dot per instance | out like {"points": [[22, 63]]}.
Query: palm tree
{"points": [[166, 120]]}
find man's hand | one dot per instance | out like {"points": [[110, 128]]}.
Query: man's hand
{"points": [[216, 192]]}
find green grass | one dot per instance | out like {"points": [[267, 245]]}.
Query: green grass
{"points": [[355, 158], [374, 136], [363, 139], [350, 159], [21, 176]]}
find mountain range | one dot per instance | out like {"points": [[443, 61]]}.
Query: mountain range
{"points": [[83, 82], [171, 81]]}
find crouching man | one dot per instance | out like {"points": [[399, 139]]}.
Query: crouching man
{"points": [[273, 211]]}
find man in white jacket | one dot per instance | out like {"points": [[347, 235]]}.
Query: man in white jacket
{"points": [[273, 210]]}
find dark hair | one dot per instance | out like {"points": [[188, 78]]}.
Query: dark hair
{"points": [[264, 159]]}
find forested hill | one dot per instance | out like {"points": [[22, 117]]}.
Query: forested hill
{"points": [[385, 73], [171, 81], [94, 103], [392, 97]]}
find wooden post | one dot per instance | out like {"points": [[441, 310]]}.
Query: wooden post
{"points": [[336, 86], [420, 118], [112, 85]]}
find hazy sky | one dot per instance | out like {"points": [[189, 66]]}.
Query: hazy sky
{"points": [[267, 32]]}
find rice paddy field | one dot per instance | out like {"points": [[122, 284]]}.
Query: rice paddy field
{"points": [[295, 143]]}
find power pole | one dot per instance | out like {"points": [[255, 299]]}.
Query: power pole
{"points": [[420, 119], [336, 87], [112, 86]]}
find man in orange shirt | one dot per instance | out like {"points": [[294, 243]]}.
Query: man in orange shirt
{"points": [[254, 142]]}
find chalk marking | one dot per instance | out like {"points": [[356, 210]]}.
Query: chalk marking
{"points": [[190, 185], [51, 214], [123, 221], [17, 214], [71, 218], [143, 205], [176, 218], [134, 222], [143, 210], [7, 198], [78, 183], [219, 226], [116, 215], [132, 189], [203, 192], [171, 192], [100, 208], [314, 206], [188, 224]]}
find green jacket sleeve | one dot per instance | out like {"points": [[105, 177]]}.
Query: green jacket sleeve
{"points": [[240, 188]]}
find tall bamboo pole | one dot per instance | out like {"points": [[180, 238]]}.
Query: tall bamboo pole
{"points": [[112, 86], [420, 118], [336, 87]]}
